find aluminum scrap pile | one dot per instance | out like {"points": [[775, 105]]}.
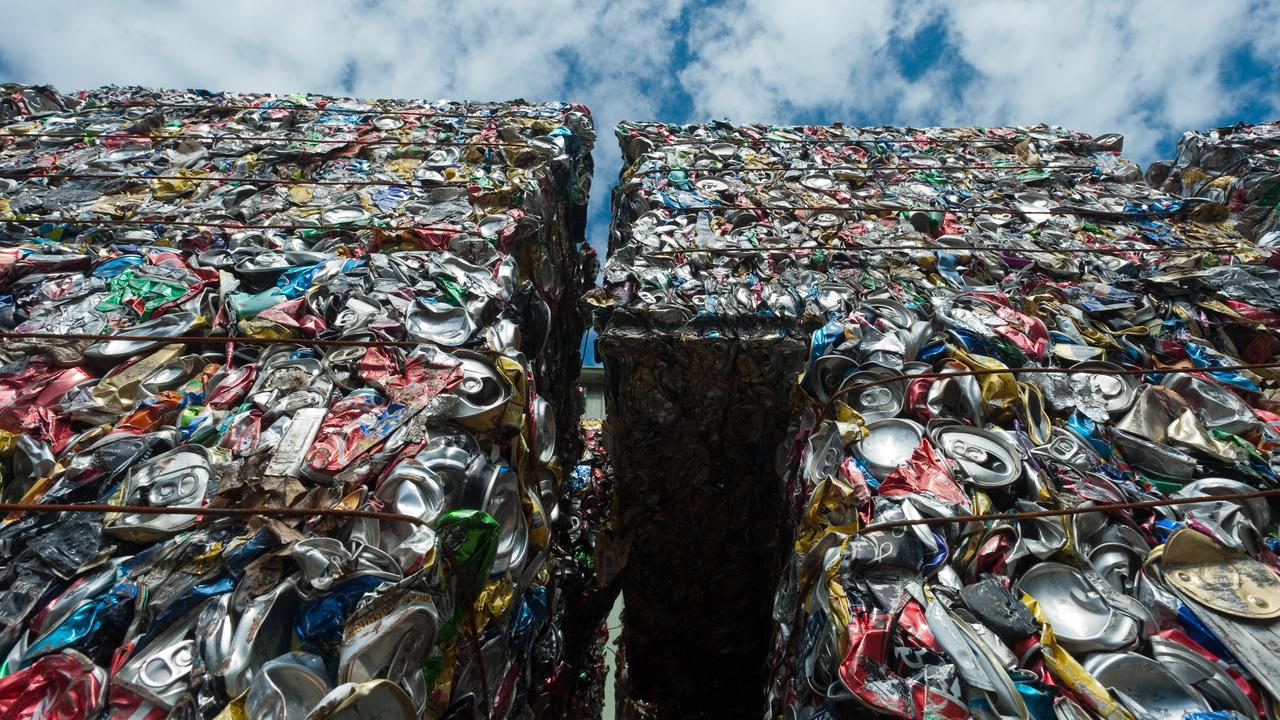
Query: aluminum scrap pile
{"points": [[436, 249], [1236, 170], [1155, 612]]}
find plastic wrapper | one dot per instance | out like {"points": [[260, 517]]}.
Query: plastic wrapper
{"points": [[1149, 612], [221, 301]]}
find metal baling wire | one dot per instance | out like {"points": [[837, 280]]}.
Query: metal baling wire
{"points": [[422, 112], [246, 226], [213, 511], [891, 208], [990, 248], [231, 340], [75, 221], [790, 168], [1039, 370], [1079, 510], [299, 181], [900, 140], [1062, 512], [224, 225]]}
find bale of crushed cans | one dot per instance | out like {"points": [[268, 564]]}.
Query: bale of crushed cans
{"points": [[700, 356], [1019, 328], [1234, 171], [310, 366]]}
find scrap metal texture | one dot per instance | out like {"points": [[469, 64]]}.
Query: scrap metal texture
{"points": [[867, 257], [435, 251]]}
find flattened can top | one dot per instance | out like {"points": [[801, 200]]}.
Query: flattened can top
{"points": [[1220, 578], [1081, 617], [888, 444], [987, 459], [1118, 391]]}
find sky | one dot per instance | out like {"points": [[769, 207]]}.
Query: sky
{"points": [[1150, 69]]}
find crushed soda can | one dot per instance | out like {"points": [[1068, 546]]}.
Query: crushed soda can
{"points": [[220, 300]]}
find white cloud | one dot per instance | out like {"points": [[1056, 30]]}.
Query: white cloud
{"points": [[1147, 69], [760, 61]]}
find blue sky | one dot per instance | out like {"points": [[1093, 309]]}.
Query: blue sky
{"points": [[1150, 69]]}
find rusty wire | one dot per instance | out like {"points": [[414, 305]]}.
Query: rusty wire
{"points": [[890, 208], [982, 372], [991, 248], [1064, 512], [898, 140], [225, 225], [780, 209], [905, 168], [303, 181], [419, 111], [219, 339], [213, 511]]}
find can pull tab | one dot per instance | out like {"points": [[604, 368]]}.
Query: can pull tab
{"points": [[876, 397], [979, 456], [168, 665]]}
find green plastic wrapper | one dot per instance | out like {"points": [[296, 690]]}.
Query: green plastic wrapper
{"points": [[469, 539]]}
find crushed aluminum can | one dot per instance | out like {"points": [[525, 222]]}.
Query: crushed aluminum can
{"points": [[387, 641], [178, 478], [288, 687], [1146, 686], [1083, 619]]}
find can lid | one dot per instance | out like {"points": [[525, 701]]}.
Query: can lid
{"points": [[1118, 391], [1081, 617], [1220, 578], [986, 458], [888, 444], [876, 402]]}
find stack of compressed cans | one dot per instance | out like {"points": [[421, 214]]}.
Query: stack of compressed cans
{"points": [[1012, 324], [322, 355], [1234, 172], [701, 353]]}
